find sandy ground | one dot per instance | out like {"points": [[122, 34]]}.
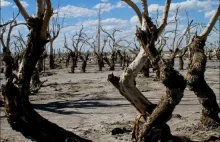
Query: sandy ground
{"points": [[88, 105]]}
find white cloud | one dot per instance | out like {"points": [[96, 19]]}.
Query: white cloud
{"points": [[154, 7], [5, 3], [134, 20], [194, 5], [104, 6], [120, 4], [209, 14], [188, 5], [23, 3], [73, 11]]}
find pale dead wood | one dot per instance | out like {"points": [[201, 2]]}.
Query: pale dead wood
{"points": [[164, 19], [46, 19], [211, 24], [22, 10], [144, 7]]}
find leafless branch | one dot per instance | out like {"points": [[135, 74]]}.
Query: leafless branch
{"points": [[164, 19], [22, 10], [211, 24]]}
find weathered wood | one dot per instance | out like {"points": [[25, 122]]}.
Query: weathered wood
{"points": [[196, 81], [19, 112], [84, 62]]}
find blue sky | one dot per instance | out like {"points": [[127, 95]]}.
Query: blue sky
{"points": [[115, 15]]}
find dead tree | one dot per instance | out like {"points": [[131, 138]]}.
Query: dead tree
{"points": [[84, 61], [157, 117], [181, 54], [99, 51], [113, 44], [19, 112], [195, 75], [71, 55], [53, 32], [7, 57], [123, 55]]}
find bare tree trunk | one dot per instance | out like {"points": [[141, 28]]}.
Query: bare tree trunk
{"points": [[36, 83], [74, 61], [16, 62], [181, 63], [84, 62], [67, 60], [146, 68], [124, 60], [100, 61], [196, 81], [51, 56], [7, 58], [209, 55], [120, 58], [19, 112], [113, 59]]}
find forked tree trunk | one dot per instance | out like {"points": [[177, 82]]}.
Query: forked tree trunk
{"points": [[196, 81], [19, 112]]}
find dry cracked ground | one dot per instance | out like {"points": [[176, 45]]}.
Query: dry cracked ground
{"points": [[88, 105]]}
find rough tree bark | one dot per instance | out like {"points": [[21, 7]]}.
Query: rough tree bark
{"points": [[84, 62], [181, 62], [196, 79], [36, 83], [158, 116], [19, 112], [146, 68], [74, 61], [55, 30], [120, 58]]}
